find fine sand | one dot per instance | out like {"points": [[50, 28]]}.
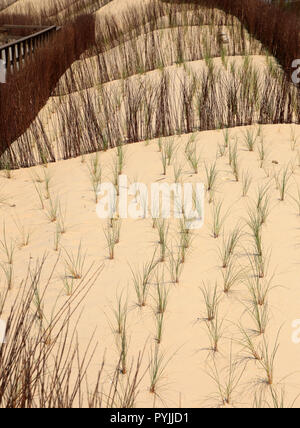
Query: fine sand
{"points": [[185, 337], [190, 365]]}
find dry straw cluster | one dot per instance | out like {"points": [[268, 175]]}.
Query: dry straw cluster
{"points": [[135, 44], [277, 29]]}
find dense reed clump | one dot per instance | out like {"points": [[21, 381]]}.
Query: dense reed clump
{"points": [[40, 361], [277, 29], [32, 86]]}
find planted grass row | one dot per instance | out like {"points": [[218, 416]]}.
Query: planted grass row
{"points": [[276, 28], [257, 282], [148, 111], [56, 12], [155, 51], [24, 155]]}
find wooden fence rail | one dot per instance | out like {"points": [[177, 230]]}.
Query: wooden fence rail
{"points": [[13, 54]]}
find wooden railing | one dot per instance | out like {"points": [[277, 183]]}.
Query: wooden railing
{"points": [[13, 54]]}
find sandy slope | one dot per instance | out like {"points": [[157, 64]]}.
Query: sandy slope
{"points": [[38, 6], [115, 6], [184, 334], [21, 5], [185, 339]]}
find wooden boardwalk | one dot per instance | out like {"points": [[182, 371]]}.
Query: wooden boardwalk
{"points": [[13, 54]]}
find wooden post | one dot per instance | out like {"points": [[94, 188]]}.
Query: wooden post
{"points": [[19, 55], [7, 58], [24, 46]]}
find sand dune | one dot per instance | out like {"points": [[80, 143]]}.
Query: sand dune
{"points": [[184, 334], [255, 188]]}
